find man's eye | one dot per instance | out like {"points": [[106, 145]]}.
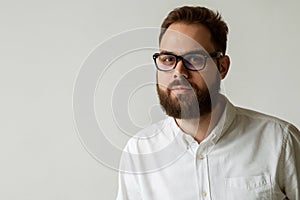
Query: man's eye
{"points": [[167, 59], [195, 59]]}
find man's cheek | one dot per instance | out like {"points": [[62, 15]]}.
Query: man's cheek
{"points": [[164, 79]]}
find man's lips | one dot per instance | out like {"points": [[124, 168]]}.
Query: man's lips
{"points": [[180, 89]]}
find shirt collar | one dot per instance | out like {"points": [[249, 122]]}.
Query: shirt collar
{"points": [[225, 121]]}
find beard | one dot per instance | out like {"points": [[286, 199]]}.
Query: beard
{"points": [[191, 105]]}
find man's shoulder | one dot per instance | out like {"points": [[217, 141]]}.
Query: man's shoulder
{"points": [[153, 128], [257, 115], [151, 138], [253, 117]]}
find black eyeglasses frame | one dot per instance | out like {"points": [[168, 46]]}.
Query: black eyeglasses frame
{"points": [[216, 54]]}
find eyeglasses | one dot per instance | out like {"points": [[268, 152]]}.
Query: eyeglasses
{"points": [[193, 61]]}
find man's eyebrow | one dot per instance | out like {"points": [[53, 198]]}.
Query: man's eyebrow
{"points": [[197, 51], [201, 51], [167, 52]]}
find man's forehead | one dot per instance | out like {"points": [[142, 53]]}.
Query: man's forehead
{"points": [[179, 45], [179, 42]]}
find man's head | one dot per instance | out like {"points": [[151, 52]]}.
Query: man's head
{"points": [[199, 15], [192, 42]]}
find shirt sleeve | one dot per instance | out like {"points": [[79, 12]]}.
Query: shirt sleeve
{"points": [[290, 162], [128, 186]]}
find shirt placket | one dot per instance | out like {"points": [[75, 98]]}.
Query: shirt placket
{"points": [[201, 160]]}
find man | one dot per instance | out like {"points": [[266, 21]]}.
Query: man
{"points": [[207, 148]]}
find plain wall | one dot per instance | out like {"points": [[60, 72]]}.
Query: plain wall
{"points": [[43, 45]]}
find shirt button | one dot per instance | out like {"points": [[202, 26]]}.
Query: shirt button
{"points": [[204, 194], [200, 157]]}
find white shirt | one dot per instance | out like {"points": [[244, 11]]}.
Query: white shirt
{"points": [[247, 156]]}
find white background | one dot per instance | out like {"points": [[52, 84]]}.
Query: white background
{"points": [[43, 44]]}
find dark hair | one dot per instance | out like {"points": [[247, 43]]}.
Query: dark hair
{"points": [[199, 15]]}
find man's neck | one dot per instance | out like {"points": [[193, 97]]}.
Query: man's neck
{"points": [[201, 128]]}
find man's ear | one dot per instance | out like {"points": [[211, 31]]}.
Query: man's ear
{"points": [[224, 64]]}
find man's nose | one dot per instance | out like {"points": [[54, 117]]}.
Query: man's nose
{"points": [[181, 70]]}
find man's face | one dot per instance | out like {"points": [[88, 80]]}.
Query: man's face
{"points": [[183, 93]]}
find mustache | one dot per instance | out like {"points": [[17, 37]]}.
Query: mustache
{"points": [[181, 82]]}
